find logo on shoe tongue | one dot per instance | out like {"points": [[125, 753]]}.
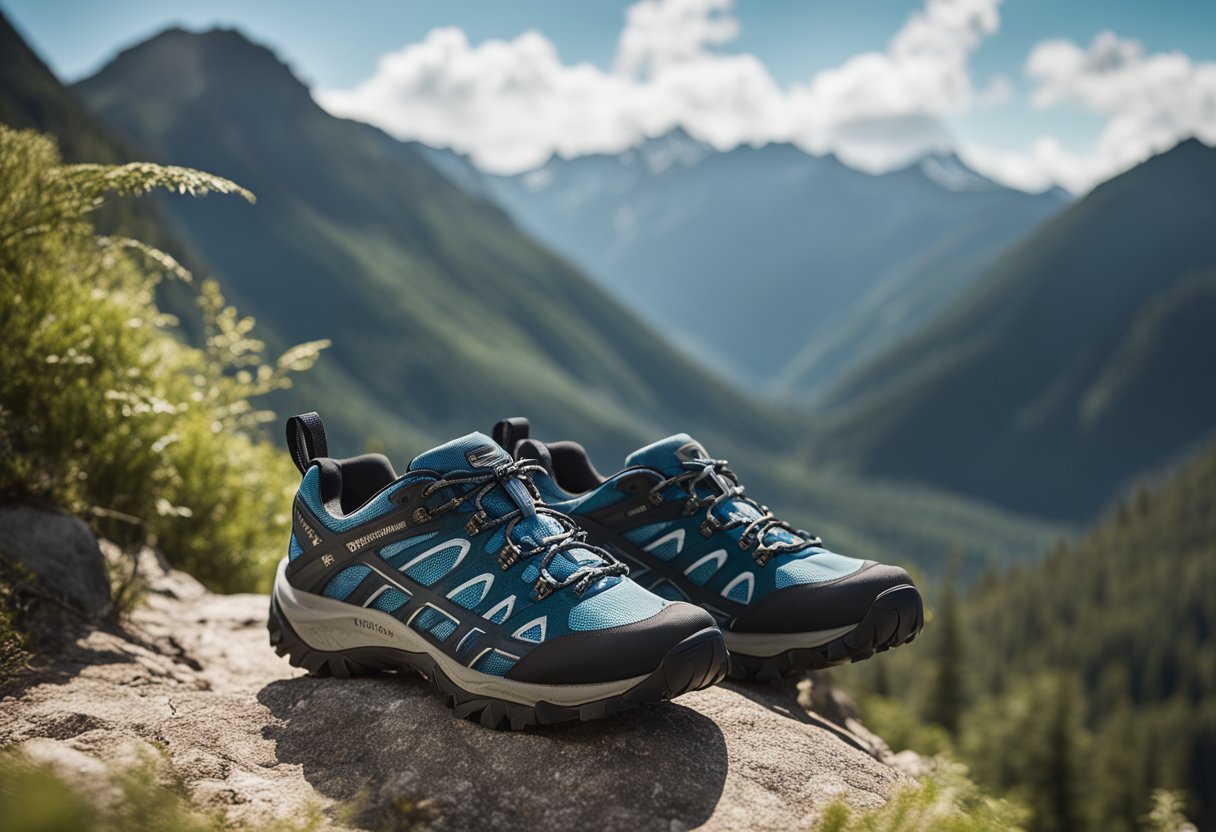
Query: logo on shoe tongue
{"points": [[690, 451], [484, 456]]}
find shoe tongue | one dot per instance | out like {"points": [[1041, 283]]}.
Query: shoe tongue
{"points": [[477, 453], [474, 453], [668, 455]]}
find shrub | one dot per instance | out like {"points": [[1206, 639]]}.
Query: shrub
{"points": [[945, 802], [104, 410], [36, 798]]}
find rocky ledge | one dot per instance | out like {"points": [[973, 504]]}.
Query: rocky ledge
{"points": [[192, 680]]}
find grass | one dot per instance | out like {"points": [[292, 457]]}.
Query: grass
{"points": [[34, 797]]}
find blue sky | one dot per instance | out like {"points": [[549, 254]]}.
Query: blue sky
{"points": [[337, 48]]}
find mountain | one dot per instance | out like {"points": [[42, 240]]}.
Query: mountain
{"points": [[785, 269], [32, 98], [1082, 358], [440, 309]]}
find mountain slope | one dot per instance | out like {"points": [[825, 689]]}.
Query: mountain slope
{"points": [[444, 309], [32, 98], [1148, 674], [783, 267], [1083, 358], [1084, 681]]}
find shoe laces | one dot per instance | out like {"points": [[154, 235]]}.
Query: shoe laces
{"points": [[478, 486], [726, 482]]}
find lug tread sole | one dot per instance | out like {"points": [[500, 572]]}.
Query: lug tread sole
{"points": [[697, 662], [895, 618]]}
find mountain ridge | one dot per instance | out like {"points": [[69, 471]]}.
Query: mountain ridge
{"points": [[220, 85], [1008, 393], [791, 254]]}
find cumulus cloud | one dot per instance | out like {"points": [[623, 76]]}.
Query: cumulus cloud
{"points": [[662, 33], [510, 104], [1149, 102]]}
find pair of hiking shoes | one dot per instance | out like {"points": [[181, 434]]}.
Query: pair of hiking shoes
{"points": [[530, 589]]}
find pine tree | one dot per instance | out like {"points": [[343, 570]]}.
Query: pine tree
{"points": [[1062, 789], [945, 702]]}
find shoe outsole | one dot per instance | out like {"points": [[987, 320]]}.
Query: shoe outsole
{"points": [[699, 661], [895, 618]]}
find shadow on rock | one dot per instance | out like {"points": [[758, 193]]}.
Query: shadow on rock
{"points": [[386, 743], [784, 698]]}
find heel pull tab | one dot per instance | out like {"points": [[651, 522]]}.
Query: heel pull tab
{"points": [[306, 440], [510, 431]]}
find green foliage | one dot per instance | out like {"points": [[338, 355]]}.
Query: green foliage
{"points": [[402, 814], [1031, 743], [1166, 814], [946, 694], [36, 798], [13, 653], [901, 726], [102, 409], [1093, 673], [947, 801]]}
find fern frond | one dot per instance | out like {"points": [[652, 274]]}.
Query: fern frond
{"points": [[163, 259], [93, 181]]}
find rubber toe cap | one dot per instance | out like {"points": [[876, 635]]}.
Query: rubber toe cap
{"points": [[614, 653], [809, 607]]}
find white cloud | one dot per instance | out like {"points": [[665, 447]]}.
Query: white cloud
{"points": [[660, 33], [511, 104], [1150, 102]]}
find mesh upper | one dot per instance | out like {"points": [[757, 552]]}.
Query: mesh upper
{"points": [[344, 582], [622, 604], [811, 565]]}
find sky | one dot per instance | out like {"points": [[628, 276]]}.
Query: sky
{"points": [[1033, 93]]}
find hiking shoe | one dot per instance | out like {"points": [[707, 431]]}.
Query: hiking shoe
{"points": [[457, 570], [680, 519]]}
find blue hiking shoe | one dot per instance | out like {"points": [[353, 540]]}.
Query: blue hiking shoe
{"points": [[680, 519], [458, 571]]}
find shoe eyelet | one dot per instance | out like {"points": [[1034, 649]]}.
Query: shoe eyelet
{"points": [[475, 523], [508, 557]]}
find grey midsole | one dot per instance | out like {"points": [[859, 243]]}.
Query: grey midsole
{"points": [[329, 625], [770, 644]]}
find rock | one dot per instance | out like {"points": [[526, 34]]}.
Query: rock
{"points": [[818, 695], [250, 737], [61, 552]]}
